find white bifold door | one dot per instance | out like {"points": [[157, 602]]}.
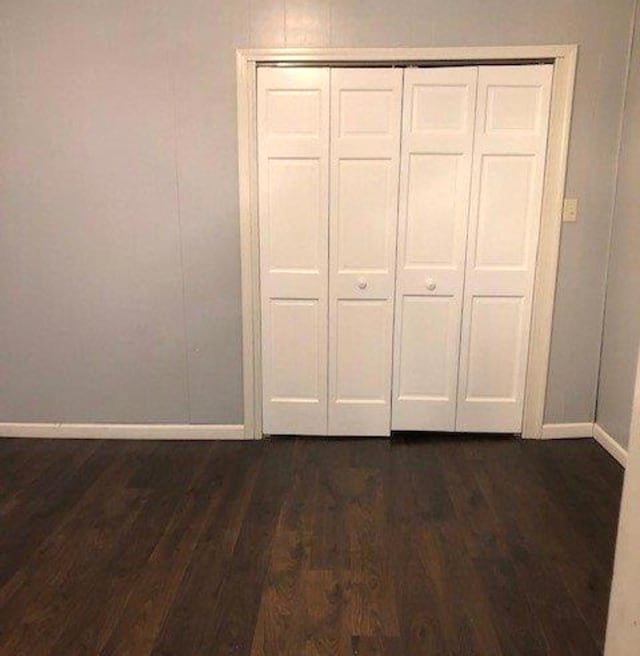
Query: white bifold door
{"points": [[473, 153], [327, 250], [443, 166]]}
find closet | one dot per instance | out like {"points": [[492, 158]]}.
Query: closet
{"points": [[399, 212]]}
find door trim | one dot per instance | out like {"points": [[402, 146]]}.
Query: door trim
{"points": [[563, 58]]}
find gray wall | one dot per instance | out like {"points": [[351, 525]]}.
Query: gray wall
{"points": [[622, 318], [119, 245]]}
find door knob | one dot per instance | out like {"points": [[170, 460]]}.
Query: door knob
{"points": [[430, 284], [362, 283]]}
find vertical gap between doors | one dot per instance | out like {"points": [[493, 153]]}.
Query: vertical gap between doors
{"points": [[396, 263], [466, 249], [330, 309]]}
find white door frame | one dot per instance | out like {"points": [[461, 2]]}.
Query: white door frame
{"points": [[563, 58]]}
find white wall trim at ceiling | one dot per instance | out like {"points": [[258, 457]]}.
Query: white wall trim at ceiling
{"points": [[124, 431], [563, 57], [564, 431], [609, 444]]}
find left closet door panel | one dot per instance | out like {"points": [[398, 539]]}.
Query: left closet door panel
{"points": [[365, 147], [293, 182]]}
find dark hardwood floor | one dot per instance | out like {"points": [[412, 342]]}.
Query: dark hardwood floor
{"points": [[306, 547]]}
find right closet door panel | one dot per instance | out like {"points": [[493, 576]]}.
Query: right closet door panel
{"points": [[506, 194], [435, 178]]}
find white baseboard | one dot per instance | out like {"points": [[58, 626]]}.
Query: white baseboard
{"points": [[563, 431], [609, 444], [125, 431]]}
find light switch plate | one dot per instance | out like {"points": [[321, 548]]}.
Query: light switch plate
{"points": [[570, 210]]}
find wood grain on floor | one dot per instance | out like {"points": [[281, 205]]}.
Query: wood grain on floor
{"points": [[306, 547]]}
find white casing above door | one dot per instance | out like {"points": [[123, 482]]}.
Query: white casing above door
{"points": [[506, 196], [435, 178], [365, 145], [293, 182]]}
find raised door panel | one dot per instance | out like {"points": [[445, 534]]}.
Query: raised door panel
{"points": [[433, 188], [293, 325], [365, 144], [296, 238], [364, 111], [435, 178], [506, 198], [293, 179], [425, 374], [362, 208], [361, 369], [516, 108], [494, 349], [292, 112], [504, 214]]}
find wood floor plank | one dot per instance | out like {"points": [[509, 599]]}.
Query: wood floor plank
{"points": [[160, 542], [467, 612], [240, 594], [38, 504], [534, 520], [40, 610], [371, 607], [330, 548], [518, 629], [280, 624], [187, 622], [322, 606], [148, 603], [421, 632], [548, 597], [223, 585]]}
